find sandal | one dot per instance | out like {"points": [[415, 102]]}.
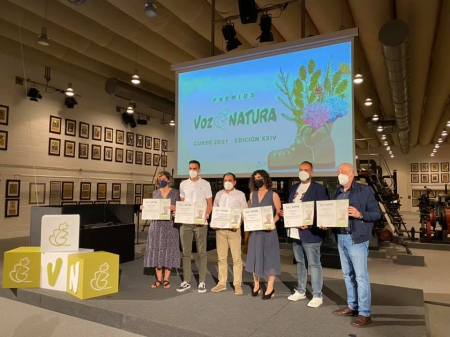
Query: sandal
{"points": [[156, 284], [166, 284]]}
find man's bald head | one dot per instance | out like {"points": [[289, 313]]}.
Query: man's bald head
{"points": [[346, 168]]}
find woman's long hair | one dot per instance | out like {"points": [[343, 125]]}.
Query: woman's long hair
{"points": [[266, 178]]}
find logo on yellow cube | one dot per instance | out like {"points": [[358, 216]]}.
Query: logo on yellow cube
{"points": [[93, 274], [21, 268]]}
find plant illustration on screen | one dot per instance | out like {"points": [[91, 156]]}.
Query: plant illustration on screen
{"points": [[315, 99]]}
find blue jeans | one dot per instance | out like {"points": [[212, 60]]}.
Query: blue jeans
{"points": [[356, 275], [312, 252]]}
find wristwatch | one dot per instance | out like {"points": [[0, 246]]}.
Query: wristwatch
{"points": [[360, 216]]}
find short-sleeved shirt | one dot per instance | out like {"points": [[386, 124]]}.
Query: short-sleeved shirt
{"points": [[234, 198], [195, 191]]}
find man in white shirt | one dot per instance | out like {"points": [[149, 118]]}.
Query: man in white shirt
{"points": [[195, 189], [229, 238]]}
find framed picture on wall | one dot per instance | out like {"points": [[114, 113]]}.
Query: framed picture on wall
{"points": [[119, 137], [137, 189], [69, 149], [414, 178], [434, 177], [85, 190], [101, 190], [68, 203], [163, 161], [138, 159], [415, 202], [137, 200], [83, 151], [71, 127], [130, 138], [3, 140], [67, 190], [37, 194], [119, 155], [155, 159], [85, 202], [107, 153], [55, 125], [444, 178], [96, 132], [54, 147], [148, 158], [84, 130], [108, 135], [415, 193], [12, 189], [139, 140], [148, 142], [444, 167], [114, 202], [96, 152], [129, 159], [100, 202], [414, 167], [147, 190], [434, 167], [4, 114], [116, 191], [156, 144], [164, 145], [424, 178], [55, 193], [12, 208], [424, 167]]}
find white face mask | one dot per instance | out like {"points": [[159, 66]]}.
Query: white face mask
{"points": [[343, 179], [304, 176], [228, 185], [193, 174]]}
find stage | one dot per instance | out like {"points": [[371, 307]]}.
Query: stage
{"points": [[396, 311]]}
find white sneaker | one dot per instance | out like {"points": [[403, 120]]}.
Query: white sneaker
{"points": [[315, 302], [296, 296], [183, 286], [202, 287]]}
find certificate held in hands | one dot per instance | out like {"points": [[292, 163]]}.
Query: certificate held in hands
{"points": [[226, 217], [258, 218], [190, 212], [298, 214], [332, 213], [156, 209]]}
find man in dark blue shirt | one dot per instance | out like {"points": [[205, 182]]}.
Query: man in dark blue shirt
{"points": [[353, 244]]}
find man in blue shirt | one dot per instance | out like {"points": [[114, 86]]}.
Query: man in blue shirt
{"points": [[353, 244]]}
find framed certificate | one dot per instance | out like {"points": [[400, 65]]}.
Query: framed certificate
{"points": [[258, 218], [156, 209], [226, 217], [190, 212], [298, 214], [332, 213]]}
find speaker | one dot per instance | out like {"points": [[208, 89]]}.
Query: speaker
{"points": [[248, 11]]}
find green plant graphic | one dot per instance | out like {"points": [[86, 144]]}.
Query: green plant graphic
{"points": [[100, 280], [59, 237], [20, 272]]}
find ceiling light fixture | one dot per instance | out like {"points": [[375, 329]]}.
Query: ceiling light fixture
{"points": [[392, 156], [434, 150], [43, 39], [440, 140], [34, 94], [358, 77], [368, 101], [229, 34], [135, 78], [172, 122], [380, 128], [448, 124], [437, 146], [375, 118], [70, 102], [383, 137], [388, 148], [131, 107], [444, 133], [150, 9], [432, 154], [69, 90], [385, 143]]}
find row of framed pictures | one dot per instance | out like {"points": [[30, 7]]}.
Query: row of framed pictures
{"points": [[107, 133], [12, 198], [430, 167], [4, 119], [416, 193], [433, 178], [131, 156]]}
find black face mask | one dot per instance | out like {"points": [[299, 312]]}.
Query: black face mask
{"points": [[259, 183]]}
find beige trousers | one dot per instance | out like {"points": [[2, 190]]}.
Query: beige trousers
{"points": [[228, 239]]}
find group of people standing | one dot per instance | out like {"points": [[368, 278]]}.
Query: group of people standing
{"points": [[263, 256]]}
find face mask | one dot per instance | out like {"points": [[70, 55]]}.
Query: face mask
{"points": [[228, 185], [193, 174], [304, 176], [343, 179], [163, 183], [259, 183]]}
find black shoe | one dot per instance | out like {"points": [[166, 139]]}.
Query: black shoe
{"points": [[269, 296], [255, 293]]}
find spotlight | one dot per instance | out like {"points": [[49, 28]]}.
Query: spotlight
{"points": [[434, 150], [229, 34], [266, 28], [368, 101], [444, 133], [385, 143], [448, 124], [388, 148], [128, 119], [150, 9], [358, 77], [34, 94], [43, 39], [437, 146], [135, 78], [69, 90], [70, 102], [383, 137], [172, 122], [440, 140], [141, 121], [375, 117], [131, 107], [380, 128]]}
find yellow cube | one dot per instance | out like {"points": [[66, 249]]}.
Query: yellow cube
{"points": [[22, 268], [92, 274]]}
